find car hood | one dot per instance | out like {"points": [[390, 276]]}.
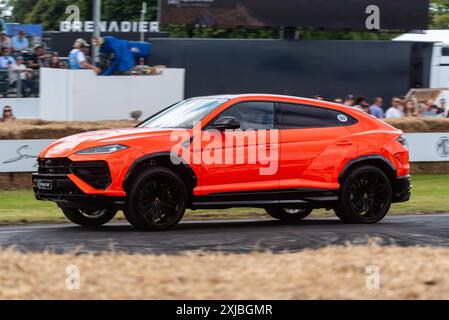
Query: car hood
{"points": [[130, 137]]}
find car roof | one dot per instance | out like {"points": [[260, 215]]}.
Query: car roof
{"points": [[315, 102]]}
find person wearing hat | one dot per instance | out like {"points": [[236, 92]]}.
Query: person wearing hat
{"points": [[77, 57]]}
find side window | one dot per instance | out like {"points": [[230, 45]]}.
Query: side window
{"points": [[252, 115], [297, 116]]}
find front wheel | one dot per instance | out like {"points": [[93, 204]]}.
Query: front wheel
{"points": [[156, 200], [365, 196], [289, 215], [89, 218]]}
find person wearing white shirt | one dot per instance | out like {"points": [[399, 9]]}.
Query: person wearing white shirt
{"points": [[395, 112]]}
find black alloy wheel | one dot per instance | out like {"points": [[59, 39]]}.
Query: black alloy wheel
{"points": [[365, 197], [157, 200], [89, 217]]}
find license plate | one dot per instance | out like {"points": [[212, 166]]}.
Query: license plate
{"points": [[44, 184]]}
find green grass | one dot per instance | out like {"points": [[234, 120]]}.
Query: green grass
{"points": [[430, 195]]}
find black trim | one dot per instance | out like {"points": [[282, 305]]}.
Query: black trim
{"points": [[401, 189], [147, 157], [66, 194], [365, 158], [311, 198]]}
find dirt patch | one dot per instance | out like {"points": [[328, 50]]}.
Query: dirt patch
{"points": [[329, 273]]}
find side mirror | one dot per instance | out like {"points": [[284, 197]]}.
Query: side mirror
{"points": [[226, 123]]}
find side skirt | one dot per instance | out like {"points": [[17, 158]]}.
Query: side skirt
{"points": [[291, 198]]}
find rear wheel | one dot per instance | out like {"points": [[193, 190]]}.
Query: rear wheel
{"points": [[89, 218], [156, 200], [365, 196], [289, 215]]}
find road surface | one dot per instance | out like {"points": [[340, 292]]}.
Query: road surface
{"points": [[228, 236]]}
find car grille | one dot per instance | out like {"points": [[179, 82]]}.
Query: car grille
{"points": [[94, 173]]}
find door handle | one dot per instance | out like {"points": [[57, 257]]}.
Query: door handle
{"points": [[344, 143]]}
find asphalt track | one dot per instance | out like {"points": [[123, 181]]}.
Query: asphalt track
{"points": [[228, 236]]}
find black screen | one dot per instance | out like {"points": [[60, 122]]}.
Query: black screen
{"points": [[328, 14]]}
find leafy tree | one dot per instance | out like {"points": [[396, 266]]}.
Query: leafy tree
{"points": [[439, 14]]}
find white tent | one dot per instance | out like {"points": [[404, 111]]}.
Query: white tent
{"points": [[425, 36]]}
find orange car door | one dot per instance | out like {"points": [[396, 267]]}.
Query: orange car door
{"points": [[313, 141], [249, 157]]}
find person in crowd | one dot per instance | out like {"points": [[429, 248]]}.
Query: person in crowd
{"points": [[365, 107], [20, 72], [6, 60], [39, 59], [349, 101], [395, 112], [5, 41], [55, 62], [411, 110], [77, 57], [8, 116], [360, 102], [443, 107], [430, 109], [20, 42], [376, 108], [338, 100]]}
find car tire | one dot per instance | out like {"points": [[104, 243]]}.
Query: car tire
{"points": [[156, 200], [289, 215], [365, 196], [89, 218]]}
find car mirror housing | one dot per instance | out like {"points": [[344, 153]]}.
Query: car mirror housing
{"points": [[226, 123]]}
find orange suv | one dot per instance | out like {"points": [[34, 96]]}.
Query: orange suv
{"points": [[287, 155]]}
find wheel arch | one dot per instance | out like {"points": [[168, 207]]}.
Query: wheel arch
{"points": [[375, 160], [162, 159]]}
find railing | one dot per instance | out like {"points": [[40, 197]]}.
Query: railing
{"points": [[19, 83]]}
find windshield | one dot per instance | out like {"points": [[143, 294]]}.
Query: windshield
{"points": [[185, 114]]}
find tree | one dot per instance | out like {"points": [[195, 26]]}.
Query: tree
{"points": [[439, 14], [50, 13]]}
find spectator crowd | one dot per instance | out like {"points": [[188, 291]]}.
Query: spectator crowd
{"points": [[20, 64], [400, 107]]}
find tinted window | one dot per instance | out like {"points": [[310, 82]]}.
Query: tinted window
{"points": [[301, 116], [252, 115]]}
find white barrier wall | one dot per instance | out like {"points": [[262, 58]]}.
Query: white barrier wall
{"points": [[428, 147], [82, 95], [23, 108], [21, 155]]}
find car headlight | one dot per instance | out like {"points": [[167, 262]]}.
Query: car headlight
{"points": [[103, 149]]}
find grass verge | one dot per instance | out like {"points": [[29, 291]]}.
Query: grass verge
{"points": [[328, 273], [429, 196]]}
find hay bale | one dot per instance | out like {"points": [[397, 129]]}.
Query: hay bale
{"points": [[38, 129]]}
